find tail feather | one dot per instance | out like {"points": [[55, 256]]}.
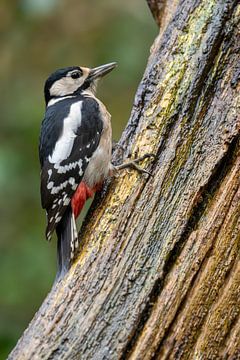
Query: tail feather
{"points": [[67, 242], [74, 243]]}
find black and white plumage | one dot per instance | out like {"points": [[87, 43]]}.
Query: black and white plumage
{"points": [[75, 147], [70, 134]]}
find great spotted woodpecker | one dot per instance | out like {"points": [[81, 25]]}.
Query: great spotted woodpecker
{"points": [[75, 152]]}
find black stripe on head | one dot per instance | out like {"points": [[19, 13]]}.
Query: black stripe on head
{"points": [[57, 75]]}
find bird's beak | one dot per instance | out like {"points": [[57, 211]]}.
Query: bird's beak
{"points": [[101, 70]]}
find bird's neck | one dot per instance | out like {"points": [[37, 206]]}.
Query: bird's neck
{"points": [[77, 95], [87, 88]]}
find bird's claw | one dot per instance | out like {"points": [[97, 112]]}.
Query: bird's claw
{"points": [[133, 164]]}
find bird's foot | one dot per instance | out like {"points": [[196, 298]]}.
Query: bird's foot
{"points": [[134, 164]]}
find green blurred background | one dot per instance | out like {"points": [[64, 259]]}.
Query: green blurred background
{"points": [[37, 37]]}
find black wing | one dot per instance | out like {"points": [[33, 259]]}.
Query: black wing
{"points": [[59, 180]]}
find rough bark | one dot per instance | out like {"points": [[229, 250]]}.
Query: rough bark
{"points": [[162, 11], [158, 272]]}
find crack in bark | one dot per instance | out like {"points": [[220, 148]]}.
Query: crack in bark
{"points": [[204, 197], [237, 318], [218, 174], [206, 194], [182, 117], [179, 350]]}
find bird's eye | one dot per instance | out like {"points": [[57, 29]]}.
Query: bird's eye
{"points": [[75, 75]]}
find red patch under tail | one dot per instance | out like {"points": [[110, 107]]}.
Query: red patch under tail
{"points": [[80, 196]]}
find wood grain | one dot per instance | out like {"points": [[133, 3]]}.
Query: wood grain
{"points": [[157, 276]]}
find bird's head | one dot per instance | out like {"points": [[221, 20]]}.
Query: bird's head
{"points": [[73, 80]]}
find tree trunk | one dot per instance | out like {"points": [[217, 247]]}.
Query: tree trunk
{"points": [[158, 272]]}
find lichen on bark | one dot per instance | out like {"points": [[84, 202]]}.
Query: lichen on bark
{"points": [[157, 274]]}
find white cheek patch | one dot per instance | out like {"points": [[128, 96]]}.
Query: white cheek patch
{"points": [[67, 85], [64, 86]]}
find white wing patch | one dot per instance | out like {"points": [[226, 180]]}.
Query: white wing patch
{"points": [[65, 143]]}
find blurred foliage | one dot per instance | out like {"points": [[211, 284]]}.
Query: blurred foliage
{"points": [[37, 37]]}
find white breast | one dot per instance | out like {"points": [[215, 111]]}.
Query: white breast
{"points": [[100, 163]]}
